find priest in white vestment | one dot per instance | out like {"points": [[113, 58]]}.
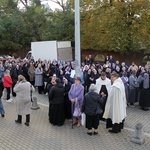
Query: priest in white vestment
{"points": [[103, 85], [103, 81], [115, 109]]}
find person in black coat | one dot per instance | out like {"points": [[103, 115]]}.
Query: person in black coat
{"points": [[15, 72], [56, 109], [25, 69], [46, 74], [51, 82], [91, 101], [67, 103], [2, 112]]}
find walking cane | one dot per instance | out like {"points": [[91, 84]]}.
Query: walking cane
{"points": [[72, 113]]}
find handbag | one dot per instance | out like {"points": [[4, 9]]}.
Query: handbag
{"points": [[98, 111], [77, 110], [83, 118]]}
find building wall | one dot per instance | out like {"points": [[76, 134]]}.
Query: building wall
{"points": [[128, 58]]}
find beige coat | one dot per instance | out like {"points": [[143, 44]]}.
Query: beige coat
{"points": [[23, 98]]}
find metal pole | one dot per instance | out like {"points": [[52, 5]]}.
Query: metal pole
{"points": [[77, 38]]}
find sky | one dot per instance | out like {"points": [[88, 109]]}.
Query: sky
{"points": [[52, 5]]}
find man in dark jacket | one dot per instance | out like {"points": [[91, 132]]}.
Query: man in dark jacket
{"points": [[56, 109], [2, 112]]}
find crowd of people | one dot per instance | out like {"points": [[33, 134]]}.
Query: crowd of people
{"points": [[102, 91]]}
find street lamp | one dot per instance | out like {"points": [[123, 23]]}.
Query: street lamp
{"points": [[77, 38]]}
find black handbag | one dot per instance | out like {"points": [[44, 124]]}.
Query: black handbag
{"points": [[99, 111]]}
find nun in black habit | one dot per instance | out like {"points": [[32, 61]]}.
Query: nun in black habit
{"points": [[56, 98], [144, 91]]}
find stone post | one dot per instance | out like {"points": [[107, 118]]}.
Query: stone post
{"points": [[138, 136]]}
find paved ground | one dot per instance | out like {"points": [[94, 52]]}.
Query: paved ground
{"points": [[43, 136]]}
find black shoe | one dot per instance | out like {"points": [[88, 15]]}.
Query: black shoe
{"points": [[17, 121], [3, 115], [112, 131], [145, 109], [89, 133], [26, 123], [59, 125], [103, 119], [95, 133]]}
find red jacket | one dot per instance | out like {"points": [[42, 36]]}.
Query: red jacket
{"points": [[7, 81]]}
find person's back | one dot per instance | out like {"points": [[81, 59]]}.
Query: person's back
{"points": [[133, 82], [24, 87], [23, 91], [56, 95], [92, 99]]}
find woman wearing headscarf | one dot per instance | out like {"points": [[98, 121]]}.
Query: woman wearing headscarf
{"points": [[56, 100], [39, 82], [23, 91], [133, 85], [144, 91], [125, 80], [51, 82], [91, 101], [76, 94]]}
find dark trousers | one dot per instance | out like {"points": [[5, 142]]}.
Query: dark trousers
{"points": [[32, 82], [27, 118], [115, 127], [40, 89], [13, 93], [8, 93], [92, 122]]}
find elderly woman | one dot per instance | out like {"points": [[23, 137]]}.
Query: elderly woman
{"points": [[23, 91], [91, 102], [125, 80], [39, 82], [76, 97], [144, 91], [133, 86]]}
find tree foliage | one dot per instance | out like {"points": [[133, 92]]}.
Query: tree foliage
{"points": [[116, 25], [33, 22], [113, 25]]}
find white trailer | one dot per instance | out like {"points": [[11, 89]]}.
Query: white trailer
{"points": [[51, 50]]}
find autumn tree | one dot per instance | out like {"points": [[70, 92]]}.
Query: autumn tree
{"points": [[116, 25]]}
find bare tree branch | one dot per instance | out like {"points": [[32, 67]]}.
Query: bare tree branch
{"points": [[25, 3], [61, 4]]}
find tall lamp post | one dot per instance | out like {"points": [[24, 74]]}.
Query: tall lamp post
{"points": [[77, 38]]}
